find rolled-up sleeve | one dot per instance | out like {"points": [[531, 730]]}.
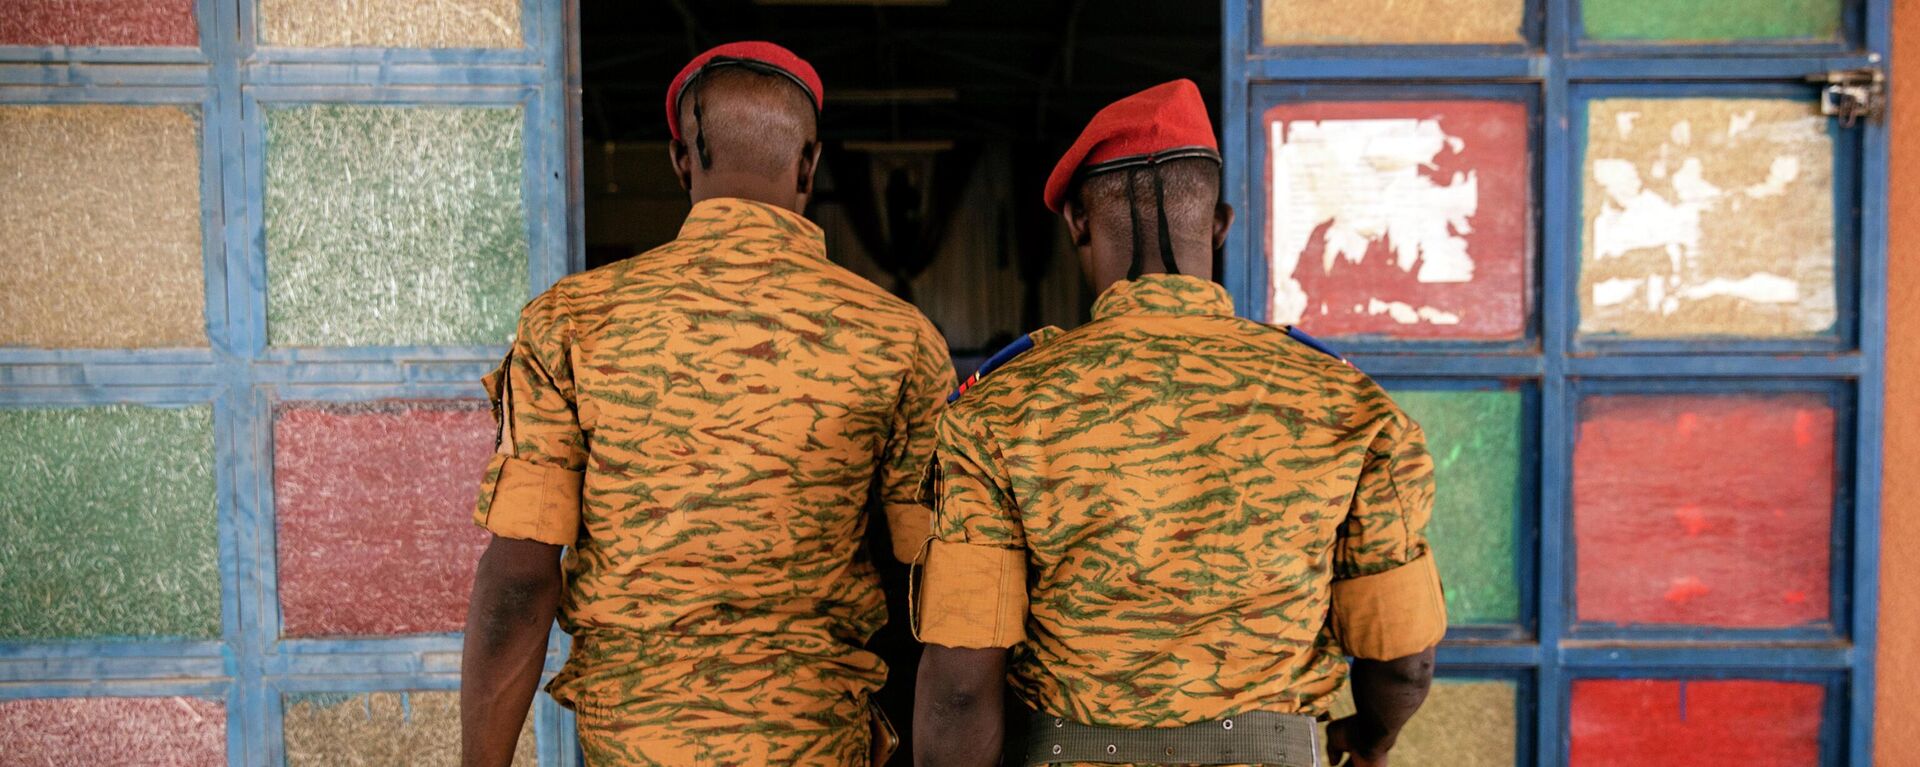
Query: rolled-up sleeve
{"points": [[923, 397], [1387, 601], [972, 591], [531, 489]]}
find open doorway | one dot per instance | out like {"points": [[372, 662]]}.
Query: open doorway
{"points": [[942, 120]]}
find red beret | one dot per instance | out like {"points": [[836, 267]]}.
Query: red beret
{"points": [[1165, 122], [756, 54]]}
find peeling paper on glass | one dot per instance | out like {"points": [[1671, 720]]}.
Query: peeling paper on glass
{"points": [[394, 225], [1430, 22], [376, 500], [173, 731], [1403, 220], [107, 524], [1707, 217], [419, 729], [103, 23], [390, 24], [100, 215], [1475, 440]]}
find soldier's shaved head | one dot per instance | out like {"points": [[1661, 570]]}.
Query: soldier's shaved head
{"points": [[761, 134], [1102, 217]]}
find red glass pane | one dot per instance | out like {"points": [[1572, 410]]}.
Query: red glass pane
{"points": [[1736, 723], [1704, 510], [374, 501], [1399, 219], [166, 23], [188, 732]]}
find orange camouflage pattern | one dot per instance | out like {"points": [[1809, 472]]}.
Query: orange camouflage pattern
{"points": [[1184, 489], [729, 407]]}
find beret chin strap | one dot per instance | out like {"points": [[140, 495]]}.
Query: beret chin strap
{"points": [[1150, 163], [1165, 238]]}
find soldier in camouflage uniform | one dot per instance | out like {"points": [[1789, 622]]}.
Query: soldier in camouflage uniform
{"points": [[703, 428], [1167, 528]]}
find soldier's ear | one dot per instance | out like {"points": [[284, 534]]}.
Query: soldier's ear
{"points": [[1222, 221], [1078, 226], [809, 163], [682, 163]]}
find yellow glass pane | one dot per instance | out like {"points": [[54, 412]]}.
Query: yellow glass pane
{"points": [[100, 216], [1407, 22], [390, 24]]}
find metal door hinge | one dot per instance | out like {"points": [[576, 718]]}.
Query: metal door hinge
{"points": [[1853, 94]]}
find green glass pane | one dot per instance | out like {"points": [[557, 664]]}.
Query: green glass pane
{"points": [[394, 226], [1711, 20], [1475, 440], [107, 524]]}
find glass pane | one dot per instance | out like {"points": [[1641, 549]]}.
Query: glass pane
{"points": [[1475, 440], [420, 729], [374, 500], [1463, 724], [188, 732], [388, 24], [1674, 495], [1719, 723], [165, 23], [1342, 22], [1400, 219], [1711, 20], [100, 213], [107, 523], [392, 226], [1707, 217]]}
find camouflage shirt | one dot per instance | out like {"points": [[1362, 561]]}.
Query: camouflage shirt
{"points": [[1173, 515], [705, 425]]}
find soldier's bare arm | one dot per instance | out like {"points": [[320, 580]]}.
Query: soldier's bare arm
{"points": [[516, 591], [1385, 695], [957, 707]]}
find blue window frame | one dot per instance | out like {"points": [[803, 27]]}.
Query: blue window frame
{"points": [[1561, 73], [231, 81]]}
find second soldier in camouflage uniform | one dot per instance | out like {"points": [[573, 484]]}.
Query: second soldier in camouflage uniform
{"points": [[1171, 521]]}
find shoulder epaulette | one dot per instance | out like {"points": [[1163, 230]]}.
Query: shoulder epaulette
{"points": [[1020, 346], [1313, 343]]}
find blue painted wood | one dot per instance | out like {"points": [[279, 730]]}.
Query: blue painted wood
{"points": [[1869, 463], [103, 75], [1558, 219], [199, 688]]}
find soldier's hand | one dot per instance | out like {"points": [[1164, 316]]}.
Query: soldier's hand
{"points": [[1351, 737]]}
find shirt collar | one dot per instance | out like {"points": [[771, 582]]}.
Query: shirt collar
{"points": [[1164, 294], [734, 218]]}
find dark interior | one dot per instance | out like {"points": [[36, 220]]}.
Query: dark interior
{"points": [[954, 112]]}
